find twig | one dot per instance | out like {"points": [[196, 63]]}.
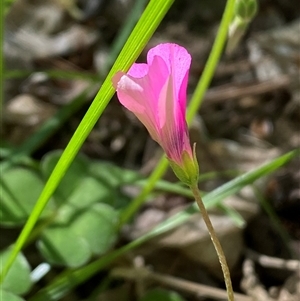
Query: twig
{"points": [[274, 262], [176, 283], [220, 94]]}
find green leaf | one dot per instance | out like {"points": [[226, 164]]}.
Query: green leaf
{"points": [[88, 230], [8, 296], [18, 278], [80, 214], [61, 246], [20, 189], [72, 178], [111, 174], [87, 182], [161, 295], [98, 226], [110, 178], [89, 191]]}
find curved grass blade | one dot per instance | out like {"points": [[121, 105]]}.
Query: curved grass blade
{"points": [[141, 34]]}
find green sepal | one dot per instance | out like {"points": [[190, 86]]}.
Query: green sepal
{"points": [[188, 172], [180, 172]]}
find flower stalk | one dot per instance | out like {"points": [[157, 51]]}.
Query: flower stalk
{"points": [[215, 241]]}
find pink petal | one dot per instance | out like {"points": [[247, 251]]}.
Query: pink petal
{"points": [[168, 132], [138, 70], [173, 127], [141, 95], [129, 91], [178, 61]]}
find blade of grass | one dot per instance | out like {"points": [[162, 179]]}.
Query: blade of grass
{"points": [[142, 32], [1, 57], [176, 188], [193, 107], [124, 33], [236, 184], [181, 189], [70, 278], [234, 215]]}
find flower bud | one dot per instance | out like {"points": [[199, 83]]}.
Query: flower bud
{"points": [[245, 11]]}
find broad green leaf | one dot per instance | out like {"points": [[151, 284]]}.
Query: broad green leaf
{"points": [[111, 174], [20, 188], [61, 246], [18, 279], [111, 178], [72, 178], [161, 295], [87, 182], [90, 191], [98, 226], [8, 296]]}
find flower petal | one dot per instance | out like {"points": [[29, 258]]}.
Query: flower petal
{"points": [[141, 95], [138, 70], [168, 131], [178, 61], [131, 95]]}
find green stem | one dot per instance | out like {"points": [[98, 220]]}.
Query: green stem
{"points": [[215, 241], [212, 62]]}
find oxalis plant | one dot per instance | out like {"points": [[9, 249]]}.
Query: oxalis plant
{"points": [[156, 93]]}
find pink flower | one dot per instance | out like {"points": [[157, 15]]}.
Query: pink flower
{"points": [[156, 93]]}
